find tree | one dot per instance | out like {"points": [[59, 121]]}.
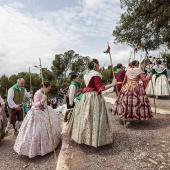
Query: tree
{"points": [[144, 19], [61, 65], [107, 75], [47, 74], [79, 65], [67, 64], [13, 79], [4, 85]]}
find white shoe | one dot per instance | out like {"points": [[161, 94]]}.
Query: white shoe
{"points": [[127, 123]]}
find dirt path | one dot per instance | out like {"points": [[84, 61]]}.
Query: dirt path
{"points": [[150, 148], [149, 141], [9, 160]]}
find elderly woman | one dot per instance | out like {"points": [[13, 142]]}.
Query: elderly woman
{"points": [[133, 103]]}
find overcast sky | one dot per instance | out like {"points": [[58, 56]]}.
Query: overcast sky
{"points": [[33, 29]]}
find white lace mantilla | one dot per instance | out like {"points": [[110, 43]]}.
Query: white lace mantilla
{"points": [[89, 75], [159, 68], [133, 72]]}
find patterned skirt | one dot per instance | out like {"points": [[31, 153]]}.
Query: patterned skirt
{"points": [[91, 124], [132, 103], [35, 136], [3, 123]]}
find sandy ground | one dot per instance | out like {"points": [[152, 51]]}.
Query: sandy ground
{"points": [[149, 141]]}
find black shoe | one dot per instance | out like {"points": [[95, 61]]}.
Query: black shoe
{"points": [[16, 131], [110, 110]]}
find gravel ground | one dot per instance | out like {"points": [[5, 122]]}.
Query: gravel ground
{"points": [[149, 141], [10, 160]]}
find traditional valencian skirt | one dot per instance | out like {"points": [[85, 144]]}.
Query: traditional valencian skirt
{"points": [[34, 136], [132, 103], [3, 123], [160, 85], [91, 124]]}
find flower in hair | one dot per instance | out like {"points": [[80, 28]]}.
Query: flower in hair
{"points": [[90, 59]]}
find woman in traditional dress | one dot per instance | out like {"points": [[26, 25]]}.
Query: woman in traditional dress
{"points": [[92, 124], [159, 85], [35, 136], [133, 103]]}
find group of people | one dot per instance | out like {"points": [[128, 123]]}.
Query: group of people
{"points": [[39, 130], [89, 123]]}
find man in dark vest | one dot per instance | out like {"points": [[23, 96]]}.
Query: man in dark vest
{"points": [[16, 96]]}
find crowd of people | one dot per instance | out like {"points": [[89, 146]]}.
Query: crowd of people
{"points": [[38, 131]]}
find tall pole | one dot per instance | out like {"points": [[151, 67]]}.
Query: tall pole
{"points": [[52, 137], [112, 69], [118, 99], [30, 79], [134, 55], [31, 97]]}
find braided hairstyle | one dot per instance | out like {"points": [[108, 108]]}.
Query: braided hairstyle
{"points": [[135, 63], [92, 64]]}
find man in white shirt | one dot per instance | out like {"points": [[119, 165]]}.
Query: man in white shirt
{"points": [[16, 96], [72, 92]]}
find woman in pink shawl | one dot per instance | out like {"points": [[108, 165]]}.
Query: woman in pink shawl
{"points": [[34, 136], [133, 103]]}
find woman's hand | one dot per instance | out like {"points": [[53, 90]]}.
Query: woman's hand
{"points": [[44, 98]]}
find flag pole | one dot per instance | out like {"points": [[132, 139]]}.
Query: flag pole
{"points": [[30, 79], [118, 95], [134, 54], [30, 86], [112, 69], [52, 138]]}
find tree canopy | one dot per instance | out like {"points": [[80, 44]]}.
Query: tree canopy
{"points": [[149, 19], [63, 66], [66, 64]]}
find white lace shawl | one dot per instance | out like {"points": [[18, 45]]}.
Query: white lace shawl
{"points": [[89, 75], [159, 68], [133, 72]]}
